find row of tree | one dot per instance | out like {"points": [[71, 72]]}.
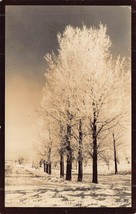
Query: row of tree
{"points": [[86, 100]]}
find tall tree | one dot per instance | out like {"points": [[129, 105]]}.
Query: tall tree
{"points": [[85, 80], [116, 139]]}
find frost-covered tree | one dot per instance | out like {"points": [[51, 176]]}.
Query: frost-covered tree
{"points": [[85, 82], [63, 104], [46, 148], [117, 141], [57, 107]]}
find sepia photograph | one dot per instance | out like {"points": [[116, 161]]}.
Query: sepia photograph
{"points": [[68, 106]]}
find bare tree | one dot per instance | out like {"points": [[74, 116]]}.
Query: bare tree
{"points": [[116, 136]]}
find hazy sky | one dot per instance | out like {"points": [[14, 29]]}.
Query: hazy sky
{"points": [[31, 33]]}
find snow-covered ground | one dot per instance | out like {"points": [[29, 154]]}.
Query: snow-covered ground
{"points": [[29, 187]]}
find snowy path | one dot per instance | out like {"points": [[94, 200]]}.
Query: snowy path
{"points": [[33, 188]]}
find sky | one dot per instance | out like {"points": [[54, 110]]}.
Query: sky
{"points": [[31, 32]]}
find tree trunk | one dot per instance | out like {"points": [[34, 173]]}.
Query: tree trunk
{"points": [[69, 154], [49, 161], [49, 168], [80, 158], [95, 173], [46, 167], [76, 164], [115, 154], [69, 166], [80, 170], [61, 165], [62, 152], [40, 163], [49, 154]]}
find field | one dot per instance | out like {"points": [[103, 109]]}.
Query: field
{"points": [[29, 187]]}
